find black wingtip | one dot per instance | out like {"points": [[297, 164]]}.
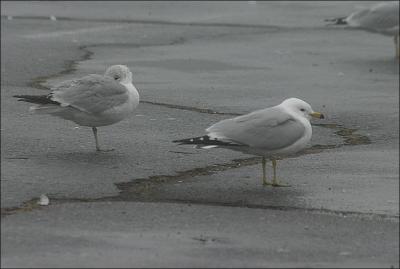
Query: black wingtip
{"points": [[193, 140], [205, 141], [337, 21], [36, 99], [19, 96]]}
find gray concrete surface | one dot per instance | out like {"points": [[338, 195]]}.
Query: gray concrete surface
{"points": [[190, 60], [122, 234]]}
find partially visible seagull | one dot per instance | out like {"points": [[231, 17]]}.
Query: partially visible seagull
{"points": [[93, 100], [380, 18], [272, 133]]}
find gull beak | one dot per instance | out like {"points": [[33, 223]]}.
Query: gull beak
{"points": [[317, 115]]}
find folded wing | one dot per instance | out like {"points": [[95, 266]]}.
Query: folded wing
{"points": [[92, 94], [382, 17], [270, 129]]}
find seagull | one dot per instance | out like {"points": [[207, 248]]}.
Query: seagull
{"points": [[93, 100], [272, 133], [380, 18]]}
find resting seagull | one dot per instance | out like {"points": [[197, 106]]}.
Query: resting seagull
{"points": [[92, 101], [381, 18], [272, 133]]}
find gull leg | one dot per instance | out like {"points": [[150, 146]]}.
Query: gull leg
{"points": [[265, 182], [97, 140], [274, 180]]}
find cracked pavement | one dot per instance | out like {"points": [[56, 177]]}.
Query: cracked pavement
{"points": [[152, 203]]}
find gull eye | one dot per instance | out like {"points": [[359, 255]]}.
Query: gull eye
{"points": [[116, 77], [302, 109]]}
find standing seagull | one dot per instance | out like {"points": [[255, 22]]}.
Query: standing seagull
{"points": [[272, 133], [93, 100], [381, 18]]}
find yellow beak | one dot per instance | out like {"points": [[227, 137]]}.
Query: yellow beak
{"points": [[317, 115]]}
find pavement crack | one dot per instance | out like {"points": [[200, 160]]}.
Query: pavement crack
{"points": [[349, 135], [189, 108], [33, 205], [140, 189], [25, 207], [181, 152], [127, 188], [269, 28], [175, 41], [326, 211], [274, 28], [70, 66]]}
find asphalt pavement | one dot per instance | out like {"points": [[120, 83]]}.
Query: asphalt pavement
{"points": [[152, 203]]}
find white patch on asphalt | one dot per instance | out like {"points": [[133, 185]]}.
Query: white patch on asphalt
{"points": [[43, 200]]}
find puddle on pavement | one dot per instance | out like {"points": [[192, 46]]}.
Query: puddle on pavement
{"points": [[137, 188], [348, 136], [141, 189], [26, 207]]}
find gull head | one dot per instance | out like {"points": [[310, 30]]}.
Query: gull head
{"points": [[301, 108], [120, 73]]}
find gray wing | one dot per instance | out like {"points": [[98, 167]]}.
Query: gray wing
{"points": [[92, 94], [381, 17], [269, 129]]}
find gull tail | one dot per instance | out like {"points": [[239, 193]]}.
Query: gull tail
{"points": [[37, 99], [205, 142], [43, 103], [337, 21]]}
